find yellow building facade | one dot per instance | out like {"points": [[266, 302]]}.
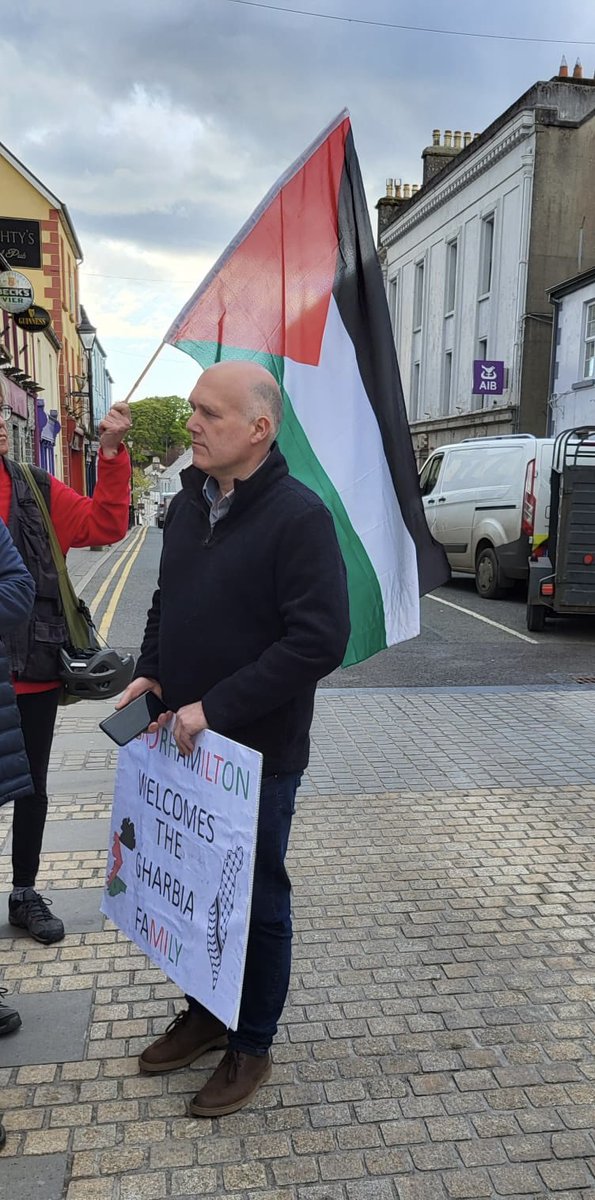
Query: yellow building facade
{"points": [[37, 238]]}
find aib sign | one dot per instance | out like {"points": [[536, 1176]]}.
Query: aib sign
{"points": [[488, 378]]}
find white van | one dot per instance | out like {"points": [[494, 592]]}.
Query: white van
{"points": [[487, 501]]}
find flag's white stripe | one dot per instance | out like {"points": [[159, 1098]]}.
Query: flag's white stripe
{"points": [[334, 411]]}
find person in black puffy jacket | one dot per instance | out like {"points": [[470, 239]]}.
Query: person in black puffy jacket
{"points": [[251, 611], [17, 592]]}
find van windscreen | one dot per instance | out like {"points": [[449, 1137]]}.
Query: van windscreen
{"points": [[484, 466]]}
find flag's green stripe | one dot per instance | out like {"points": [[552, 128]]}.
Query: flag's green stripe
{"points": [[368, 631]]}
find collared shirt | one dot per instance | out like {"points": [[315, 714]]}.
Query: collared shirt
{"points": [[219, 505]]}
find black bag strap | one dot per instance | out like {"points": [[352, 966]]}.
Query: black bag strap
{"points": [[77, 616]]}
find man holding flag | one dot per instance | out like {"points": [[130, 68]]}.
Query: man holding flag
{"points": [[300, 290], [250, 612], [260, 611]]}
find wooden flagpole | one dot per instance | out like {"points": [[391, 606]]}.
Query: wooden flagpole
{"points": [[143, 373]]}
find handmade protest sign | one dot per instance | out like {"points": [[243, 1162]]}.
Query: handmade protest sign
{"points": [[181, 860]]}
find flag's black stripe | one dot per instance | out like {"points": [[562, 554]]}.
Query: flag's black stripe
{"points": [[359, 292]]}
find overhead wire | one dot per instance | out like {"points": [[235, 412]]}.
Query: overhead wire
{"points": [[325, 16]]}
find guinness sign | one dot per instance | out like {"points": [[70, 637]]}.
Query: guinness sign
{"points": [[34, 318], [20, 242]]}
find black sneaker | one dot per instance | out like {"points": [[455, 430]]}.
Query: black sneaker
{"points": [[9, 1017], [2, 1136], [32, 913]]}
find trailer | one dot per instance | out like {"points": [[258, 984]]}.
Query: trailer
{"points": [[562, 573]]}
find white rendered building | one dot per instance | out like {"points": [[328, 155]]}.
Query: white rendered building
{"points": [[469, 257]]}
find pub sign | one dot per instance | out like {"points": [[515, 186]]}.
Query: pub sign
{"points": [[20, 242], [16, 292], [33, 318]]}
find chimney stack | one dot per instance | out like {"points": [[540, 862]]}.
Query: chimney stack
{"points": [[578, 70], [390, 206], [439, 154], [563, 72]]}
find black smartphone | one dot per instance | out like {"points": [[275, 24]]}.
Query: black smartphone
{"points": [[127, 723]]}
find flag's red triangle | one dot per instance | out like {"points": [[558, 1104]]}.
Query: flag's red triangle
{"points": [[270, 292]]}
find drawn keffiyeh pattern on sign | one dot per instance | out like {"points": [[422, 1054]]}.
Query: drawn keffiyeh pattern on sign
{"points": [[222, 908]]}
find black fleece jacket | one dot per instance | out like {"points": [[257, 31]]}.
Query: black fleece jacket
{"points": [[249, 616]]}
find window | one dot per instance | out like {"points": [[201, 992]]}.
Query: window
{"points": [[415, 376], [486, 260], [589, 367], [447, 383], [418, 295], [452, 251], [62, 275], [429, 476], [485, 466], [482, 354], [392, 303]]}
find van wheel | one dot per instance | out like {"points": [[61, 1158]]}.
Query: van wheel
{"points": [[535, 618], [489, 580]]}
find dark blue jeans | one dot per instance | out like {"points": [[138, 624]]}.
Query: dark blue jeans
{"points": [[268, 957]]}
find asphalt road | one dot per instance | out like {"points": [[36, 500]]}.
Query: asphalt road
{"points": [[455, 647]]}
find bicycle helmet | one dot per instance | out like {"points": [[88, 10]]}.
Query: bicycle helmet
{"points": [[95, 674]]}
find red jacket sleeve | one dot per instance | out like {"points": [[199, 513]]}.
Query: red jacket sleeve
{"points": [[96, 520]]}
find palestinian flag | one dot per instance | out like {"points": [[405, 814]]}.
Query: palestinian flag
{"points": [[300, 290]]}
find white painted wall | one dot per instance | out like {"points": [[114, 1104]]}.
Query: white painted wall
{"points": [[497, 178], [573, 396]]}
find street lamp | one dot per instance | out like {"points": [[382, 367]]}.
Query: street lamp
{"points": [[88, 334]]}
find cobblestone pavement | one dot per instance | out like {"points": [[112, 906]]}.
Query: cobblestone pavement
{"points": [[439, 1039]]}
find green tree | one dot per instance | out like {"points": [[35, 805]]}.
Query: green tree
{"points": [[158, 428], [140, 484]]}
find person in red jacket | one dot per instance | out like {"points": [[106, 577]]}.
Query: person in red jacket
{"points": [[79, 521]]}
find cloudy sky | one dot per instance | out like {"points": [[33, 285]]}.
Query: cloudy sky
{"points": [[161, 123]]}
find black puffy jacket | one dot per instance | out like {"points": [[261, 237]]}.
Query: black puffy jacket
{"points": [[17, 593], [248, 616]]}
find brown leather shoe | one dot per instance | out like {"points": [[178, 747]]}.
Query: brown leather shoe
{"points": [[189, 1035], [236, 1080]]}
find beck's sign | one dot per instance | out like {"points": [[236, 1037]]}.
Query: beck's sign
{"points": [[16, 292], [488, 378]]}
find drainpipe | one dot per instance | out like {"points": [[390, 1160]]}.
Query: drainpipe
{"points": [[550, 414], [522, 279], [581, 245]]}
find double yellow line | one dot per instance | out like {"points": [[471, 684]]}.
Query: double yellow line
{"points": [[128, 556]]}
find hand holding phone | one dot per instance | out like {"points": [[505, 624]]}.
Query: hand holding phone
{"points": [[127, 723]]}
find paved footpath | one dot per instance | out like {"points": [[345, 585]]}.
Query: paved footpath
{"points": [[439, 1040]]}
